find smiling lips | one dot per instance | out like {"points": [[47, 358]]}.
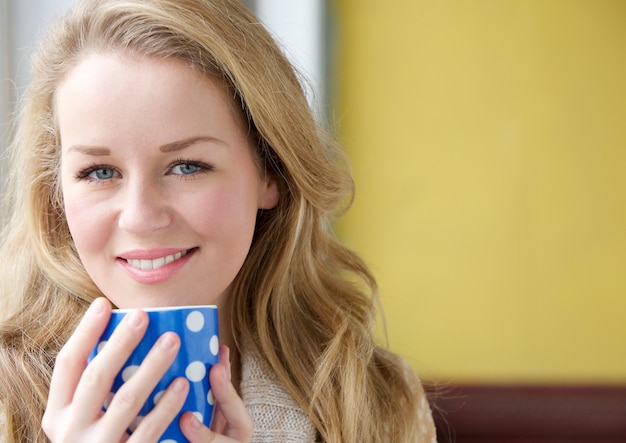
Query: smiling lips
{"points": [[146, 265], [154, 265]]}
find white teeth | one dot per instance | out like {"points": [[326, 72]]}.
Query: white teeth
{"points": [[158, 263], [146, 265]]}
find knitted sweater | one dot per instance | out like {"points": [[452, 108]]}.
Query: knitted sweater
{"points": [[277, 417]]}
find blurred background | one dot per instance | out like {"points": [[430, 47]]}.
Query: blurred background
{"points": [[488, 141], [488, 145]]}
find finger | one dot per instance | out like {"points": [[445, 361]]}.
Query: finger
{"points": [[131, 397], [231, 407], [156, 422], [224, 356], [95, 384], [72, 359], [219, 422], [196, 432]]}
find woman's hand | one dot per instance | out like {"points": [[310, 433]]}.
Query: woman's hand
{"points": [[231, 422], [78, 390]]}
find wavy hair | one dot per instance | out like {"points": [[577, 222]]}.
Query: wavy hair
{"points": [[303, 301]]}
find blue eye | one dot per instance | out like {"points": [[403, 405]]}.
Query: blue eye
{"points": [[185, 169], [97, 173], [189, 167], [101, 174]]}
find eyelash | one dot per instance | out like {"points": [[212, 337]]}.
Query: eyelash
{"points": [[202, 167], [83, 174]]}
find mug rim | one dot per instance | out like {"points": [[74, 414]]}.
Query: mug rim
{"points": [[164, 308]]}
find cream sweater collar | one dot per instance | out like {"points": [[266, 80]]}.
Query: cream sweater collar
{"points": [[276, 416]]}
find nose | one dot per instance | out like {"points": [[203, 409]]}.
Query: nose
{"points": [[144, 208]]}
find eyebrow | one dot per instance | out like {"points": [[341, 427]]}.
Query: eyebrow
{"points": [[181, 144], [168, 147], [90, 150]]}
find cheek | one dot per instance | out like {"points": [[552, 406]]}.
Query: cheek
{"points": [[86, 223], [229, 213]]}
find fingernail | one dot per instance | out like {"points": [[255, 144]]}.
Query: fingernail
{"points": [[97, 307], [135, 319], [195, 422], [179, 385], [167, 342]]}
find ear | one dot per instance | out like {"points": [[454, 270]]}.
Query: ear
{"points": [[268, 194]]}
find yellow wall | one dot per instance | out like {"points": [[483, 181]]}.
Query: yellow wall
{"points": [[488, 142]]}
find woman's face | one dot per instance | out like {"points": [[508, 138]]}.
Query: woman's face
{"points": [[160, 186]]}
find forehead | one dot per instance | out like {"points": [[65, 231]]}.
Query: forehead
{"points": [[114, 69], [120, 88]]}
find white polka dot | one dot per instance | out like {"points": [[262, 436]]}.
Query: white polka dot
{"points": [[168, 441], [133, 425], [195, 321], [209, 398], [214, 344], [129, 371], [196, 371], [158, 396], [199, 416], [101, 345]]}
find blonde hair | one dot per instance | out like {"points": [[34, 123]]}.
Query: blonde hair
{"points": [[301, 300]]}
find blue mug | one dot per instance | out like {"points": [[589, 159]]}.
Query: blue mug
{"points": [[197, 327]]}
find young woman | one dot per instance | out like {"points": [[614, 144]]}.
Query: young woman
{"points": [[166, 155]]}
